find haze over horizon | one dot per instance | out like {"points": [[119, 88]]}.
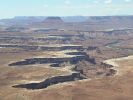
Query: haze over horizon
{"points": [[12, 8]]}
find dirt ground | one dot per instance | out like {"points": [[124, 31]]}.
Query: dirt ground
{"points": [[118, 87]]}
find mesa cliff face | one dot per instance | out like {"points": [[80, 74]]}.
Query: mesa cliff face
{"points": [[53, 20], [74, 58]]}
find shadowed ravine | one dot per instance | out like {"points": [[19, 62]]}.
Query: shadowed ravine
{"points": [[52, 81], [73, 75], [72, 57], [77, 56]]}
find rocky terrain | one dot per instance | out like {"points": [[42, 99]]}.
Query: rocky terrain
{"points": [[60, 59]]}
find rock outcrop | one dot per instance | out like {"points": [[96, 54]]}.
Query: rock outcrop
{"points": [[111, 68], [105, 65]]}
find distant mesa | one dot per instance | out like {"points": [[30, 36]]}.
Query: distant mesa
{"points": [[110, 18], [53, 20]]}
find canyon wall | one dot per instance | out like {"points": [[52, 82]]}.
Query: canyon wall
{"points": [[51, 81]]}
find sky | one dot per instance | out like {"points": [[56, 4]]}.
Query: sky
{"points": [[11, 8]]}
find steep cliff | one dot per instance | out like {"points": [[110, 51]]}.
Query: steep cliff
{"points": [[51, 81]]}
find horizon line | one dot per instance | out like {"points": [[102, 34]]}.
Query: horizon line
{"points": [[64, 16]]}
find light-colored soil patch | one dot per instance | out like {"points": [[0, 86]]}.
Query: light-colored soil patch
{"points": [[122, 65]]}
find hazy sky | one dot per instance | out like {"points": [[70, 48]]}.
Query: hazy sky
{"points": [[11, 8]]}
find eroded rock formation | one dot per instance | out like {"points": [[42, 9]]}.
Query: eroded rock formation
{"points": [[51, 81], [43, 47]]}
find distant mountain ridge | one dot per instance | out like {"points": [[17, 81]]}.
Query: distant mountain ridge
{"points": [[33, 19], [92, 22]]}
